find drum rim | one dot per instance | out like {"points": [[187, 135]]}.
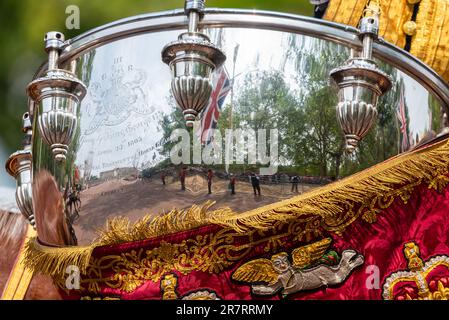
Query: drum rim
{"points": [[258, 19]]}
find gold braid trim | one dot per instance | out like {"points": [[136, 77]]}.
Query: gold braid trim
{"points": [[121, 230], [392, 18], [329, 208], [345, 11], [431, 42]]}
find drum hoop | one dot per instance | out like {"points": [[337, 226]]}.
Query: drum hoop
{"points": [[256, 19]]}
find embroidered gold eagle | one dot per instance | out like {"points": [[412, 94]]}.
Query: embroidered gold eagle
{"points": [[279, 273]]}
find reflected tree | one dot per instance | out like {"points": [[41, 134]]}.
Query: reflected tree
{"points": [[298, 100]]}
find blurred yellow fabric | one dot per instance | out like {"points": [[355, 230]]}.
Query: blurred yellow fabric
{"points": [[429, 32]]}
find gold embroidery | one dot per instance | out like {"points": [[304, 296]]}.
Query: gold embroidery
{"points": [[307, 255], [417, 273], [369, 209], [168, 287], [441, 294], [412, 254], [269, 270], [331, 208], [307, 272], [211, 253]]}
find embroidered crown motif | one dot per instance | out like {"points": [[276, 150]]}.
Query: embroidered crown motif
{"points": [[421, 280]]}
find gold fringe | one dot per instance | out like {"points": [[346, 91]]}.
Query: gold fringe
{"points": [[120, 230], [331, 200], [428, 165], [54, 261]]}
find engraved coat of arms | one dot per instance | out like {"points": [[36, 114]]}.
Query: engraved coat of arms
{"points": [[116, 97]]}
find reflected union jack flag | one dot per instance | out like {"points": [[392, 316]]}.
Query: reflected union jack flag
{"points": [[211, 114]]}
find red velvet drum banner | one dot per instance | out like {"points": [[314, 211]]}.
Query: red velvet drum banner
{"points": [[386, 271], [380, 234], [313, 165]]}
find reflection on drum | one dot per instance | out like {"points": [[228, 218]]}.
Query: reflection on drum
{"points": [[248, 121]]}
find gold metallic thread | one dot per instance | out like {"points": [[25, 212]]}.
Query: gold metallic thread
{"points": [[417, 273], [409, 28], [210, 253], [430, 33], [394, 14], [330, 208], [431, 41], [345, 11], [263, 270]]}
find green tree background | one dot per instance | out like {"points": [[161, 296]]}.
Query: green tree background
{"points": [[310, 139], [23, 24]]}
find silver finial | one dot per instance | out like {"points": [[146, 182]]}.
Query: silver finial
{"points": [[19, 167], [192, 60], [360, 83], [58, 95]]}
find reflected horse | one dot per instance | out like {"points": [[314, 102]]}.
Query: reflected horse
{"points": [[53, 227], [53, 224]]}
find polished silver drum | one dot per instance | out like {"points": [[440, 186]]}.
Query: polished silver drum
{"points": [[270, 110]]}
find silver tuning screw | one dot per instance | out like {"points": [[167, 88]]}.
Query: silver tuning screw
{"points": [[58, 95]]}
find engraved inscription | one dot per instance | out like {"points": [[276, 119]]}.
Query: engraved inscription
{"points": [[118, 95]]}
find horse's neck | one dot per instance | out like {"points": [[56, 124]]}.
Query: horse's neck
{"points": [[12, 233]]}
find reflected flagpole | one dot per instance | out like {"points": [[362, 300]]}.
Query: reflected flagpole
{"points": [[231, 124], [236, 51]]}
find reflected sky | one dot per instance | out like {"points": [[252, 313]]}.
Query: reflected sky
{"points": [[129, 90]]}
